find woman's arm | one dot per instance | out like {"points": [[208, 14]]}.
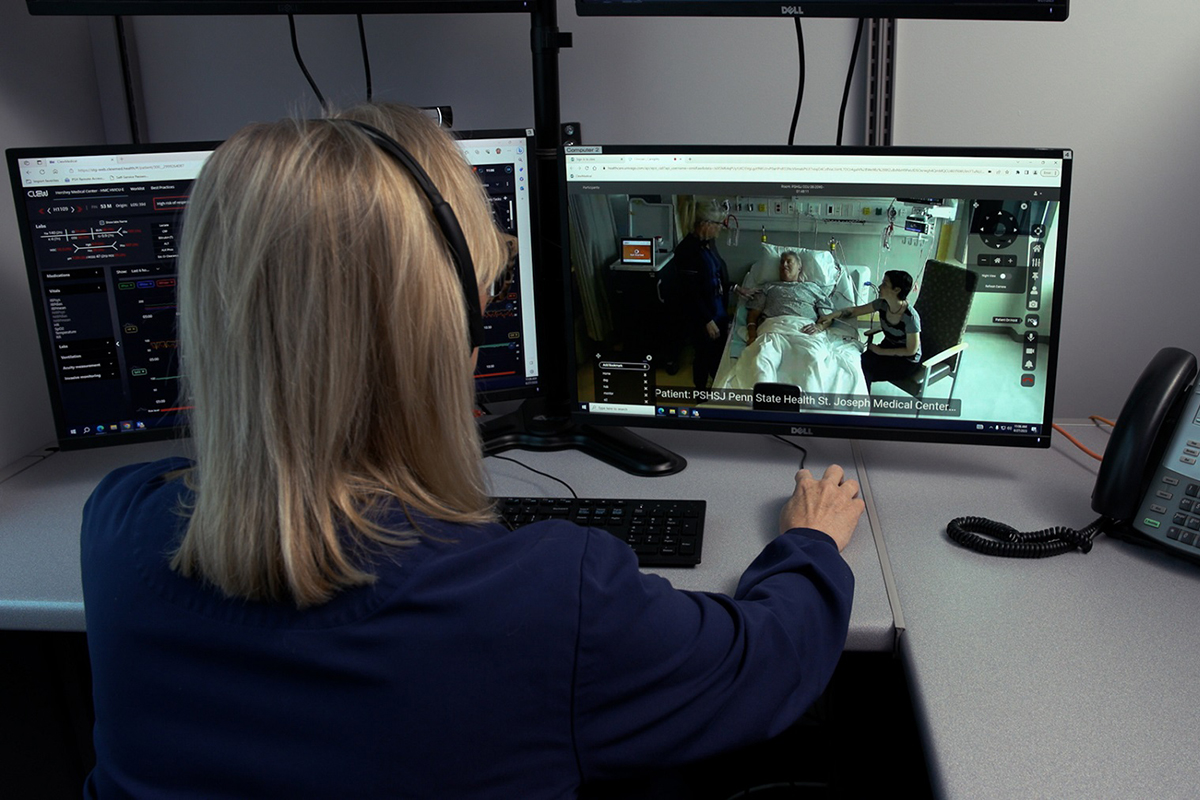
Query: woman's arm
{"points": [[912, 342], [666, 677], [825, 320]]}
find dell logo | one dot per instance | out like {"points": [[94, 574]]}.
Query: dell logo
{"points": [[37, 193], [791, 11], [798, 431]]}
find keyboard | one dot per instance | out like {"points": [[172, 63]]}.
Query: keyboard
{"points": [[663, 533]]}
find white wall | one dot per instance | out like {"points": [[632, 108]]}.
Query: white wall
{"points": [[1119, 83], [627, 80], [1117, 86], [48, 95]]}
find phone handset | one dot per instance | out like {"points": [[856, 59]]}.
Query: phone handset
{"points": [[1149, 417], [1148, 487]]}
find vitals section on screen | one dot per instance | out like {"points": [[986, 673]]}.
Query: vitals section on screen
{"points": [[727, 318]]}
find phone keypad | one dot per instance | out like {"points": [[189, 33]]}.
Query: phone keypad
{"points": [[1185, 522]]}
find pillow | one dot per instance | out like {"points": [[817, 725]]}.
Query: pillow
{"points": [[816, 266]]}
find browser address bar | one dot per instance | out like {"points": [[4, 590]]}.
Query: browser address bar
{"points": [[809, 172]]}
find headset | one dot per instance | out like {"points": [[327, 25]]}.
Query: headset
{"points": [[460, 254]]}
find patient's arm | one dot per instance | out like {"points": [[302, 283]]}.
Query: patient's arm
{"points": [[752, 317]]}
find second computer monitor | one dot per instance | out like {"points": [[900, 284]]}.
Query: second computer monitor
{"points": [[878, 293]]}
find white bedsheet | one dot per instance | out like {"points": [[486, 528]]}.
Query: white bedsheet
{"points": [[828, 362]]}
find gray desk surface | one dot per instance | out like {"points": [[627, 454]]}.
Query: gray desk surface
{"points": [[744, 479], [1073, 676]]}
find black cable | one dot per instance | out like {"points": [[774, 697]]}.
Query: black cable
{"points": [[997, 539], [300, 61], [362, 41], [135, 127], [538, 471], [800, 88], [849, 79], [803, 450]]}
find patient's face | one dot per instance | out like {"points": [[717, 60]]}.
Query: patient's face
{"points": [[789, 268]]}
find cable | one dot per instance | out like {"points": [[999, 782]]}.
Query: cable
{"points": [[849, 79], [1094, 418], [135, 127], [362, 41], [1077, 443], [300, 61], [997, 539], [800, 88], [803, 457], [538, 471]]}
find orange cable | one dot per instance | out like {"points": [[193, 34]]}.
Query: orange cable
{"points": [[1077, 443]]}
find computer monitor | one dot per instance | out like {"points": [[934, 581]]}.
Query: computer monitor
{"points": [[203, 7], [980, 233], [99, 228], [1047, 10]]}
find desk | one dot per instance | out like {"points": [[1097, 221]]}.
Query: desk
{"points": [[1068, 677], [744, 479]]}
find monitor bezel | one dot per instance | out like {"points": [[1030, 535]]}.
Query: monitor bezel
{"points": [[1028, 10], [842, 429]]}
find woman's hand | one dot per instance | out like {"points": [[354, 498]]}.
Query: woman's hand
{"points": [[822, 324], [712, 329], [830, 505]]}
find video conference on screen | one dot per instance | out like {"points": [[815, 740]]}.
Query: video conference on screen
{"points": [[637, 343]]}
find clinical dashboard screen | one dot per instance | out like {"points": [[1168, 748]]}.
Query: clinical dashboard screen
{"points": [[99, 226]]}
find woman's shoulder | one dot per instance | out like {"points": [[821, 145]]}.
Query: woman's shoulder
{"points": [[126, 484]]}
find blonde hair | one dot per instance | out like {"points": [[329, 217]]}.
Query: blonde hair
{"points": [[324, 347]]}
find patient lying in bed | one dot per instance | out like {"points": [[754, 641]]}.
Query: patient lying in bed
{"points": [[779, 350], [787, 296]]}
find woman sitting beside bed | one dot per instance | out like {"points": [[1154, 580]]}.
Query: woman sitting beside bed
{"points": [[788, 296], [899, 354]]}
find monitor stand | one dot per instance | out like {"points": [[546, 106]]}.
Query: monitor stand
{"points": [[532, 427]]}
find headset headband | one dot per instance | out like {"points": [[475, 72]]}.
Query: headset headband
{"points": [[447, 222]]}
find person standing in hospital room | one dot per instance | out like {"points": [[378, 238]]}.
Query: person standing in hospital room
{"points": [[701, 292], [322, 603]]}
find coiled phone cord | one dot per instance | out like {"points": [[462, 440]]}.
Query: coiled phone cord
{"points": [[997, 539]]}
